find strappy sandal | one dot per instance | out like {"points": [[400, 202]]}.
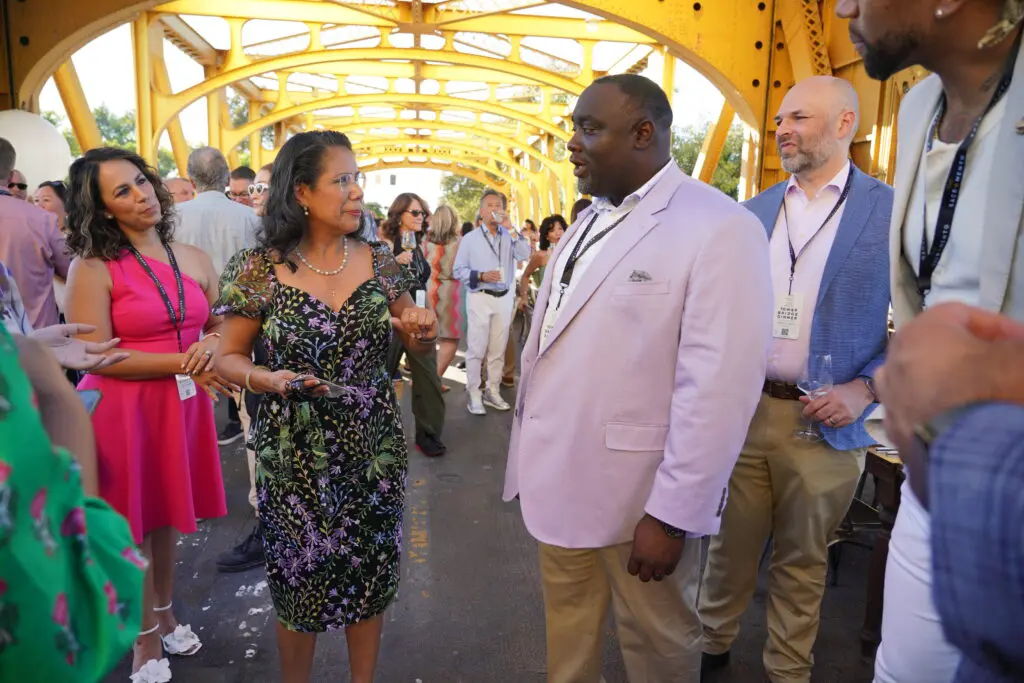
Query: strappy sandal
{"points": [[182, 642], [154, 670]]}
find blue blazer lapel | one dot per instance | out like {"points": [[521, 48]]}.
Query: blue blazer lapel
{"points": [[768, 205], [855, 216]]}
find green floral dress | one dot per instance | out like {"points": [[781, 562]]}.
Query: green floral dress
{"points": [[70, 575], [330, 473]]}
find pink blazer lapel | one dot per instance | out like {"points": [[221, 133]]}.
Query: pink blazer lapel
{"points": [[640, 221]]}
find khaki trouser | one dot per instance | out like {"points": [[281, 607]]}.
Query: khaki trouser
{"points": [[658, 626], [798, 492]]}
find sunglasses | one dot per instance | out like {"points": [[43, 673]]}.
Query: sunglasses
{"points": [[416, 213], [258, 188], [20, 186]]}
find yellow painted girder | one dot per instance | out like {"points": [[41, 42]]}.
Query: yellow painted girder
{"points": [[714, 143], [448, 72], [534, 26], [169, 106], [433, 163], [232, 137], [276, 10], [350, 125], [446, 150], [83, 123]]}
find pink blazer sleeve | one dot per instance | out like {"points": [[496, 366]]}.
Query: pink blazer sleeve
{"points": [[724, 341]]}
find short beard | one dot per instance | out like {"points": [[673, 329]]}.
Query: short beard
{"points": [[892, 53], [806, 161], [584, 185]]}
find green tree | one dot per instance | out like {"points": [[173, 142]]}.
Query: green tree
{"points": [[463, 195], [686, 145], [375, 208], [58, 122], [116, 130]]}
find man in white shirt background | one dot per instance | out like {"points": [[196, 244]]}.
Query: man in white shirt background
{"points": [[486, 264], [218, 226]]}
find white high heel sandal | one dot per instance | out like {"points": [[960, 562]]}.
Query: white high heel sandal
{"points": [[182, 642], [154, 670]]}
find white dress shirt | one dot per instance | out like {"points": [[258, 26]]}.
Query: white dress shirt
{"points": [[958, 275], [606, 214], [787, 359]]}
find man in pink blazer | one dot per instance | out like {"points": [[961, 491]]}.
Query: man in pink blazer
{"points": [[639, 379]]}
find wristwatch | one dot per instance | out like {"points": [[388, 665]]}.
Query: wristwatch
{"points": [[671, 531], [869, 382], [929, 432]]}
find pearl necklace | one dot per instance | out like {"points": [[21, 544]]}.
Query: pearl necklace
{"points": [[326, 273]]}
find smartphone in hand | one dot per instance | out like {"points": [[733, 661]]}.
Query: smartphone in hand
{"points": [[90, 399]]}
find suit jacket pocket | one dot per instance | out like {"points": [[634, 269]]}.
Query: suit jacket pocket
{"points": [[659, 287], [625, 436]]}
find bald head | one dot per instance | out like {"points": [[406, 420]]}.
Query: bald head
{"points": [[180, 189], [208, 169], [816, 124]]}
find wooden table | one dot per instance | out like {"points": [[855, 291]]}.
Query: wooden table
{"points": [[885, 466]]}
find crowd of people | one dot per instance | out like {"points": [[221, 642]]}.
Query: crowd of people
{"points": [[689, 368]]}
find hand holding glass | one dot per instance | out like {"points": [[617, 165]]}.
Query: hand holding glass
{"points": [[815, 382]]}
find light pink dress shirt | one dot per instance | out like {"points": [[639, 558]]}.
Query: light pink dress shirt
{"points": [[33, 249], [788, 357]]}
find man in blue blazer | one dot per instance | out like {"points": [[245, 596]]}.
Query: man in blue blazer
{"points": [[828, 229]]}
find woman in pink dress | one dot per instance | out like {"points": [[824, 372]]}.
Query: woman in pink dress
{"points": [[156, 442]]}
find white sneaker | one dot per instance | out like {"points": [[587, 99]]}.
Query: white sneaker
{"points": [[493, 399], [476, 407]]}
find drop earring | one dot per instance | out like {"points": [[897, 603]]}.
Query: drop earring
{"points": [[305, 210]]}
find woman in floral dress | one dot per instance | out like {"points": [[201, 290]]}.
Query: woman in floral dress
{"points": [[331, 454]]}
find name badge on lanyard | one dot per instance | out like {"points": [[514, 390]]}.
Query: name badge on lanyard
{"points": [[186, 387], [786, 320]]}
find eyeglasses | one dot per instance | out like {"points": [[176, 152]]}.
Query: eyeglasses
{"points": [[416, 213], [258, 188], [350, 179], [20, 186]]}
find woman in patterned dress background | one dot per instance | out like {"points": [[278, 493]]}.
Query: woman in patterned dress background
{"points": [[331, 460], [444, 293]]}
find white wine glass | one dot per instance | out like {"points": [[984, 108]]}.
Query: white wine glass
{"points": [[815, 382], [408, 240]]}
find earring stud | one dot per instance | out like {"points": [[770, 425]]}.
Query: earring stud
{"points": [[939, 13]]}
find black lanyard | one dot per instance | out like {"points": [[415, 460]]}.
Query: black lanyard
{"points": [[793, 255], [163, 292], [487, 238], [951, 192], [577, 253]]}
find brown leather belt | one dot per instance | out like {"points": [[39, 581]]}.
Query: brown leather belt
{"points": [[783, 390]]}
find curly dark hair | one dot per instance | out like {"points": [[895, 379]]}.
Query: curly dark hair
{"points": [[299, 162], [546, 226], [91, 234], [390, 228]]}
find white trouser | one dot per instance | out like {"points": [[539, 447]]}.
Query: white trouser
{"points": [[488, 320], [914, 648]]}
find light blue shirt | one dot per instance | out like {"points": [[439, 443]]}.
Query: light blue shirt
{"points": [[480, 251]]}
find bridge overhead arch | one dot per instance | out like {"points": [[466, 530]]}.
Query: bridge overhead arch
{"points": [[751, 50]]}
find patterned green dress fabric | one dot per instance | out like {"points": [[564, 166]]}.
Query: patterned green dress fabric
{"points": [[330, 474], [70, 575]]}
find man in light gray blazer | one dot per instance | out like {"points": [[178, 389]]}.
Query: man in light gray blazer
{"points": [[956, 236]]}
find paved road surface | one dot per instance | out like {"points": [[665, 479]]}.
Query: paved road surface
{"points": [[470, 607]]}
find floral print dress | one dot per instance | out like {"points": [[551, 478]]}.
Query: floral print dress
{"points": [[330, 472], [70, 575]]}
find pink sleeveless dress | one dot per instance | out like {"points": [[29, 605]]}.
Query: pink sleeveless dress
{"points": [[158, 459]]}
